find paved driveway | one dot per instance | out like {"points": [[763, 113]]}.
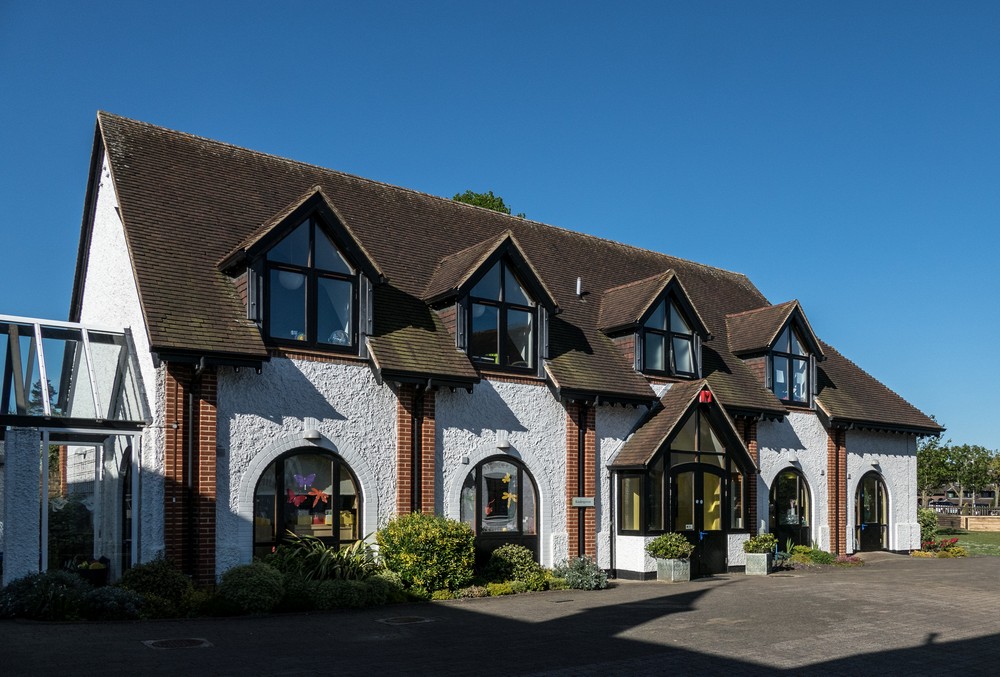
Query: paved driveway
{"points": [[895, 616]]}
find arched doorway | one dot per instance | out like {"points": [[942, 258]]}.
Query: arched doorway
{"points": [[871, 514], [500, 504], [309, 492], [790, 509]]}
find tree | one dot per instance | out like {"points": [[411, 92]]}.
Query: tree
{"points": [[485, 200], [973, 466], [934, 466]]}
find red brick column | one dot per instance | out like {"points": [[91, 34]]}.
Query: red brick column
{"points": [[836, 474], [748, 431], [412, 404], [189, 495], [573, 476]]}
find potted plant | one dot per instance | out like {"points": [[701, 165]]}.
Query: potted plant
{"points": [[760, 553], [671, 552]]}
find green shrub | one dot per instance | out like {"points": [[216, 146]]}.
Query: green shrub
{"points": [[111, 603], [162, 586], [928, 520], [252, 588], [46, 596], [300, 592], [556, 583], [318, 561], [512, 562], [343, 594], [499, 589], [761, 544], [671, 545], [582, 573], [386, 588], [440, 595], [472, 591], [428, 552]]}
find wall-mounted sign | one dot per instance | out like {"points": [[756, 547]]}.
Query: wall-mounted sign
{"points": [[583, 501]]}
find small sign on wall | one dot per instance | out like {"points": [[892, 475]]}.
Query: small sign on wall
{"points": [[582, 501]]}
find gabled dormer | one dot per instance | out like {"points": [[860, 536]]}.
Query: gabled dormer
{"points": [[501, 305], [780, 345], [655, 321], [308, 280]]}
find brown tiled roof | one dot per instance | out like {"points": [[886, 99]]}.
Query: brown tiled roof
{"points": [[756, 330], [639, 449], [188, 203], [850, 396], [624, 305]]}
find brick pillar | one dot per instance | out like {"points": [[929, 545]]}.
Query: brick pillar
{"points": [[175, 505], [573, 478], [415, 471], [205, 477], [189, 493], [836, 474], [748, 431]]}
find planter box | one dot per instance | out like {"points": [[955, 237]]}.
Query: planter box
{"points": [[673, 570], [759, 564]]}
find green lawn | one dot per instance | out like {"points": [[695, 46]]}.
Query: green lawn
{"points": [[978, 543]]}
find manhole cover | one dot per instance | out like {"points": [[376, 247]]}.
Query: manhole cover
{"points": [[180, 643], [783, 576], [405, 620], [562, 601]]}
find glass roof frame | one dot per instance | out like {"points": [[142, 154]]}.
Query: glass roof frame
{"points": [[91, 374]]}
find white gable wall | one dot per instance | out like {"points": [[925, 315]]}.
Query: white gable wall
{"points": [[111, 298], [894, 457]]}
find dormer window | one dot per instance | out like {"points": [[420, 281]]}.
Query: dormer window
{"points": [[311, 291], [502, 319], [790, 367], [668, 342]]}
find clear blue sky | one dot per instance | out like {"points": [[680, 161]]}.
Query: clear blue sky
{"points": [[846, 154]]}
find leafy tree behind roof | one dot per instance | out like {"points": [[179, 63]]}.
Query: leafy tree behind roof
{"points": [[485, 200]]}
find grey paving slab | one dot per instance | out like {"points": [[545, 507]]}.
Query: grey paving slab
{"points": [[896, 615]]}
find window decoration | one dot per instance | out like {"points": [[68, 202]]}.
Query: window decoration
{"points": [[790, 368], [668, 341], [500, 503], [502, 318], [312, 291], [308, 493]]}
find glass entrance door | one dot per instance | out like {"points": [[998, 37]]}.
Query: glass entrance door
{"points": [[789, 509], [871, 514], [696, 507]]}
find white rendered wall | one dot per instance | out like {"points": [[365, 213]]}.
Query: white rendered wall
{"points": [[614, 425], [21, 501], [111, 298], [896, 459], [535, 423], [800, 435], [261, 416]]}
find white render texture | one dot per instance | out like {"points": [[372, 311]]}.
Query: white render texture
{"points": [[535, 424], [111, 298], [614, 425], [894, 458], [21, 500], [261, 416], [802, 438]]}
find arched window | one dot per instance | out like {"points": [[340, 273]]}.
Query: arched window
{"points": [[790, 509], [790, 368], [312, 292], [308, 492], [500, 504]]}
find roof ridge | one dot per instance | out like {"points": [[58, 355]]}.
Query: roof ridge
{"points": [[668, 271], [762, 308], [460, 205]]}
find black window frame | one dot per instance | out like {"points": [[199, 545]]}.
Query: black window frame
{"points": [[313, 276], [668, 335], [789, 358], [730, 467], [503, 309]]}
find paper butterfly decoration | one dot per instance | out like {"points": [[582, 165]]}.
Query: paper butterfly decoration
{"points": [[304, 480], [318, 496], [511, 498], [506, 479], [296, 500]]}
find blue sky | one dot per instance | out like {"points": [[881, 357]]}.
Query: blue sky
{"points": [[846, 154]]}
